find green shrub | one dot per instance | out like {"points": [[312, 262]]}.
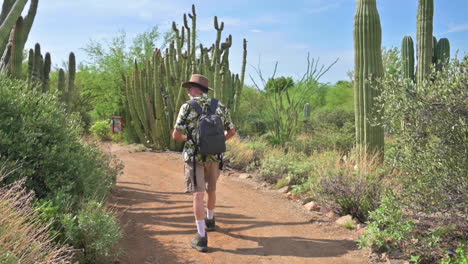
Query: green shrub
{"points": [[387, 227], [94, 229], [56, 163], [292, 165], [101, 130], [461, 256]]}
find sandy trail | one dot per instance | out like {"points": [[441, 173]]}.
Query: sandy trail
{"points": [[255, 225]]}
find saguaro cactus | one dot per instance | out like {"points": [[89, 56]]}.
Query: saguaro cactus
{"points": [[443, 52], [425, 38], [39, 68], [368, 66], [407, 55]]}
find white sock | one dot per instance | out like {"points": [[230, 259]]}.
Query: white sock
{"points": [[210, 214], [201, 227]]}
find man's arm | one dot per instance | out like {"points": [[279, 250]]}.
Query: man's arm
{"points": [[230, 133], [178, 136]]}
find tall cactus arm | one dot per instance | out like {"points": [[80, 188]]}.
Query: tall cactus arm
{"points": [[10, 19], [425, 38]]}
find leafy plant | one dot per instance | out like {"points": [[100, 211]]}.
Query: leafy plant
{"points": [[101, 130], [283, 108], [96, 230], [387, 227]]}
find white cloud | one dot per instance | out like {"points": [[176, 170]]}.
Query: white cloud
{"points": [[324, 8], [457, 28], [256, 30]]}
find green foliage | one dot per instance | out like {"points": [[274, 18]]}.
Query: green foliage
{"points": [[277, 165], [94, 229], [280, 84], [387, 227], [461, 256], [35, 131], [101, 130], [431, 139], [283, 109]]}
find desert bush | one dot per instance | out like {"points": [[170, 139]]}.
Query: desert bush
{"points": [[387, 228], [57, 165], [429, 148], [95, 230], [23, 237], [277, 164], [430, 130], [245, 154], [101, 130], [350, 185]]}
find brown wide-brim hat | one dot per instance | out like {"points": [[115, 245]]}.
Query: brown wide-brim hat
{"points": [[197, 80]]}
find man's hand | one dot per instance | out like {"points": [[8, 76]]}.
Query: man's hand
{"points": [[230, 133], [178, 136]]}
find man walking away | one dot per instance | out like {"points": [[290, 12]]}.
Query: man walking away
{"points": [[204, 124]]}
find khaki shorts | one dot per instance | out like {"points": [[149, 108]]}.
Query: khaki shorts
{"points": [[207, 176]]}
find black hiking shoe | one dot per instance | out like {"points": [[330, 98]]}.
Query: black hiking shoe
{"points": [[210, 224], [200, 243]]}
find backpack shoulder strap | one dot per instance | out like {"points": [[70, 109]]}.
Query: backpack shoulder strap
{"points": [[214, 105], [195, 106]]}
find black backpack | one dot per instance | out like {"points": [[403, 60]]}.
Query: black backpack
{"points": [[210, 137]]}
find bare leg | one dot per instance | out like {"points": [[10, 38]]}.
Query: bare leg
{"points": [[198, 206], [211, 204]]}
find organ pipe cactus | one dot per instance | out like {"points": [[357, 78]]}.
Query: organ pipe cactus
{"points": [[39, 68], [154, 93], [425, 38], [368, 66]]}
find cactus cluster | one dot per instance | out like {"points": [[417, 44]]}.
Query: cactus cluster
{"points": [[154, 93], [39, 68], [67, 89], [430, 52], [368, 66]]}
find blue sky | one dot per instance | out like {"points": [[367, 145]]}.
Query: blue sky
{"points": [[277, 31]]}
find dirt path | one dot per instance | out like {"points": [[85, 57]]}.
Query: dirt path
{"points": [[255, 225]]}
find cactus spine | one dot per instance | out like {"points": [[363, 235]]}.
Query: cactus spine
{"points": [[154, 93], [407, 55], [425, 38], [368, 65]]}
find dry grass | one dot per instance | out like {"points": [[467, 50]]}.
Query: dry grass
{"points": [[24, 238], [239, 155]]}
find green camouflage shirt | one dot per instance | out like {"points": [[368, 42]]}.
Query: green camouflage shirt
{"points": [[187, 121]]}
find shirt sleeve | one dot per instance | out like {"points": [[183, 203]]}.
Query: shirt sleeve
{"points": [[228, 124], [181, 121]]}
